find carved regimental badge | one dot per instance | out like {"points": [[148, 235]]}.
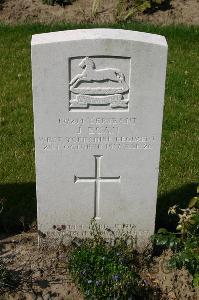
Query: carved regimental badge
{"points": [[96, 86]]}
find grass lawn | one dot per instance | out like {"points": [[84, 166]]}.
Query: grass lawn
{"points": [[179, 151]]}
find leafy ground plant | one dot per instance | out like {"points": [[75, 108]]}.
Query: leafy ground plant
{"points": [[126, 9], [95, 7], [107, 269], [184, 242]]}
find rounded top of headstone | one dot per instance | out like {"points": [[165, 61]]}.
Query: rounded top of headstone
{"points": [[98, 34]]}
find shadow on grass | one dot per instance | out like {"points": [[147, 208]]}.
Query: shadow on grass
{"points": [[19, 207], [180, 197]]}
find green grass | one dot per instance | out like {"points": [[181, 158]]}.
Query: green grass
{"points": [[179, 157]]}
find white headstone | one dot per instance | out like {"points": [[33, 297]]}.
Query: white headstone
{"points": [[98, 108]]}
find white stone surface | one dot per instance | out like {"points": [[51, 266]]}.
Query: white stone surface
{"points": [[98, 107]]}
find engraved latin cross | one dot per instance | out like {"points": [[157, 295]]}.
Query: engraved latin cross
{"points": [[97, 179]]}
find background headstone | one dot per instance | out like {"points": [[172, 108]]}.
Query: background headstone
{"points": [[98, 108]]}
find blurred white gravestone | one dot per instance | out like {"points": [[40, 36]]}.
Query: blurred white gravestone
{"points": [[98, 107]]}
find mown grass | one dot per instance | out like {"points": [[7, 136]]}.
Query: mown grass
{"points": [[179, 151]]}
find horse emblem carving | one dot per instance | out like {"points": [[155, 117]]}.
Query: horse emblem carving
{"points": [[97, 92]]}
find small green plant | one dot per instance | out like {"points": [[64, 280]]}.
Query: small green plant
{"points": [[95, 7], [184, 242], [106, 269], [125, 9]]}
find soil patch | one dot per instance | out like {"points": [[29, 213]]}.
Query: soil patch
{"points": [[43, 273], [34, 11]]}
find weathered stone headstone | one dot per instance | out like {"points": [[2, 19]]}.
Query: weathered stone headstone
{"points": [[98, 108]]}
